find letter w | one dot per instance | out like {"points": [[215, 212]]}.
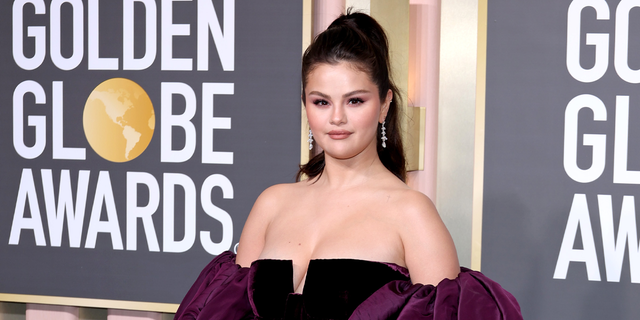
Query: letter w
{"points": [[627, 233], [56, 214]]}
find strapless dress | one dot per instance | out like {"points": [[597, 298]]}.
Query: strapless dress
{"points": [[339, 289]]}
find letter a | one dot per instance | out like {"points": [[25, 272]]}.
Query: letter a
{"points": [[27, 191], [578, 217]]}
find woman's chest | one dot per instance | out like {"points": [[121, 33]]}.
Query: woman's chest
{"points": [[362, 233]]}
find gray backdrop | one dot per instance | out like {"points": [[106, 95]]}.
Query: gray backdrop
{"points": [[264, 137], [528, 194]]}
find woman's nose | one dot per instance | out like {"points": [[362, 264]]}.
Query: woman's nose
{"points": [[338, 115]]}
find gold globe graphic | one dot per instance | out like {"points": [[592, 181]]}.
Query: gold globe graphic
{"points": [[118, 120]]}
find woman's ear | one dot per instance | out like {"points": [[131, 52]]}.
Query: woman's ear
{"points": [[385, 106]]}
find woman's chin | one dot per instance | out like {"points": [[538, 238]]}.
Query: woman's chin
{"points": [[343, 154]]}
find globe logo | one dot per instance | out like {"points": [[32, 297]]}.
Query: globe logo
{"points": [[118, 120]]}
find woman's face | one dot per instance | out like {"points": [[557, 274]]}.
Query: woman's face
{"points": [[344, 108]]}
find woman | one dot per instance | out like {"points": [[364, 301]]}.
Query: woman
{"points": [[351, 240]]}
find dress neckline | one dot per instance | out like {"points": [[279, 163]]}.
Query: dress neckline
{"points": [[396, 267]]}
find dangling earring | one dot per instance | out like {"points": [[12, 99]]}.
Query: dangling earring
{"points": [[384, 135], [310, 139]]}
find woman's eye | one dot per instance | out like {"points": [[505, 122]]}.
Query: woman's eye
{"points": [[355, 101], [320, 102]]}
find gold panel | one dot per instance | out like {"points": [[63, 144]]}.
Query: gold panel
{"points": [[91, 303], [478, 170], [307, 36], [413, 136]]}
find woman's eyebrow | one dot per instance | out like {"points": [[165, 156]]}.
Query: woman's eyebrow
{"points": [[318, 93], [348, 94]]}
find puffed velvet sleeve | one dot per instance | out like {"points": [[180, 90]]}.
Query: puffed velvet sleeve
{"points": [[220, 292], [470, 296]]}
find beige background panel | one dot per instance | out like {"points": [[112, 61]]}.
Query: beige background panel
{"points": [[456, 120], [478, 174], [96, 303], [307, 36]]}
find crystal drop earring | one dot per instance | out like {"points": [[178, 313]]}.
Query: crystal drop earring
{"points": [[310, 139], [384, 135]]}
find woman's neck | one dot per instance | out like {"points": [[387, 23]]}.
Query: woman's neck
{"points": [[346, 173]]}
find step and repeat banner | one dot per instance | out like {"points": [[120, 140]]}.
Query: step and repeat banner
{"points": [[562, 156], [135, 137]]}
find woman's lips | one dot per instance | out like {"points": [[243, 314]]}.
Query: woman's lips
{"points": [[339, 134]]}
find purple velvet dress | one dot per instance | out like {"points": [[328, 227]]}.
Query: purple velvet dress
{"points": [[339, 289]]}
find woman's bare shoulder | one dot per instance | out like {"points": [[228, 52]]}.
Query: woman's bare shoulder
{"points": [[429, 253], [266, 206], [273, 195], [415, 204]]}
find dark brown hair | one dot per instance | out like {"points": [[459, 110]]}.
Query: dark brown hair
{"points": [[358, 39]]}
